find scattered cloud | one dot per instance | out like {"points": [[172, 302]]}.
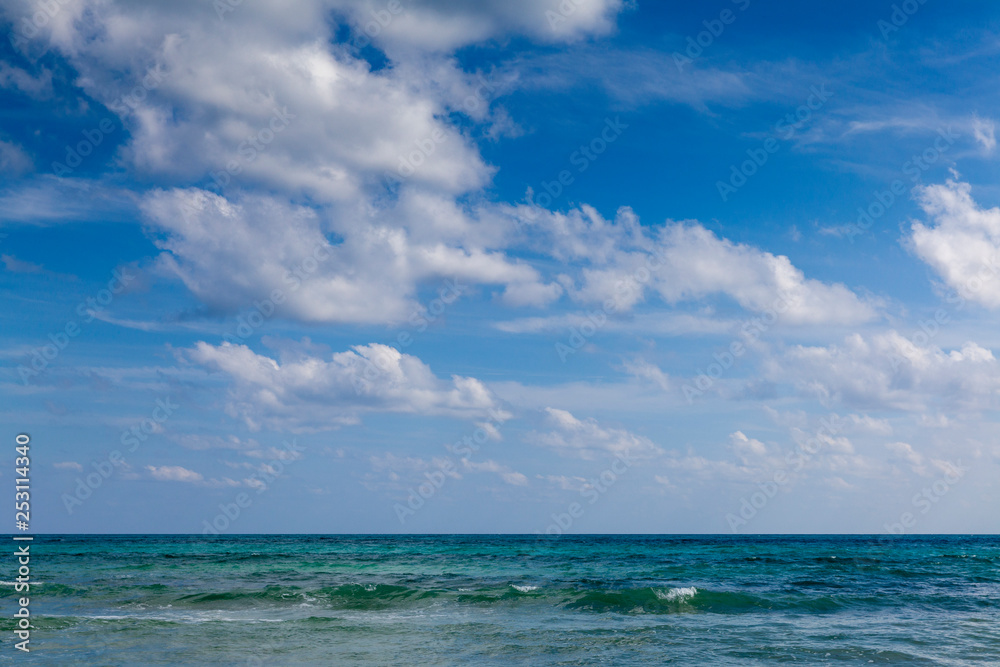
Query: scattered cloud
{"points": [[313, 393], [174, 474], [586, 439], [962, 244]]}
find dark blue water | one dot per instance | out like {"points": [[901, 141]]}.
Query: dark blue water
{"points": [[446, 600]]}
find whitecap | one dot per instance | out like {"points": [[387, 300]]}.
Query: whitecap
{"points": [[677, 594], [525, 589]]}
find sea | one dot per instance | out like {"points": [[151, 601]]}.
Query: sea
{"points": [[508, 600]]}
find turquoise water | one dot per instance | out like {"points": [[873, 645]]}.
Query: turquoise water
{"points": [[446, 600]]}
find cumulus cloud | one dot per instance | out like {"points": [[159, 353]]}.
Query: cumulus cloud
{"points": [[815, 454], [195, 99], [586, 439], [888, 370], [267, 98], [312, 393], [682, 262], [962, 242], [746, 448], [439, 25], [232, 254]]}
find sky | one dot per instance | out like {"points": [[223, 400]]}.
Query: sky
{"points": [[435, 266]]}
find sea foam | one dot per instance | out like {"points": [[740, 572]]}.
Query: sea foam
{"points": [[677, 594]]}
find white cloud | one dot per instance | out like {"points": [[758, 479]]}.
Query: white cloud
{"points": [[682, 262], [439, 25], [221, 81], [984, 130], [509, 476], [962, 244], [644, 370], [887, 370], [174, 474], [232, 254], [411, 464], [658, 322], [905, 452], [313, 393], [248, 447], [206, 86], [68, 465], [52, 200], [531, 294], [752, 461], [586, 439], [694, 466], [565, 483], [202, 442], [13, 159], [38, 87], [866, 424], [746, 448]]}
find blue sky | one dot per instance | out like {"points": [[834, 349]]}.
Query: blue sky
{"points": [[426, 266]]}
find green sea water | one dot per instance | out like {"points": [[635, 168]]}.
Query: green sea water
{"points": [[525, 600]]}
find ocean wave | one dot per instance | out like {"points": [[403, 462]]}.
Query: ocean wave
{"points": [[676, 594], [416, 594]]}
